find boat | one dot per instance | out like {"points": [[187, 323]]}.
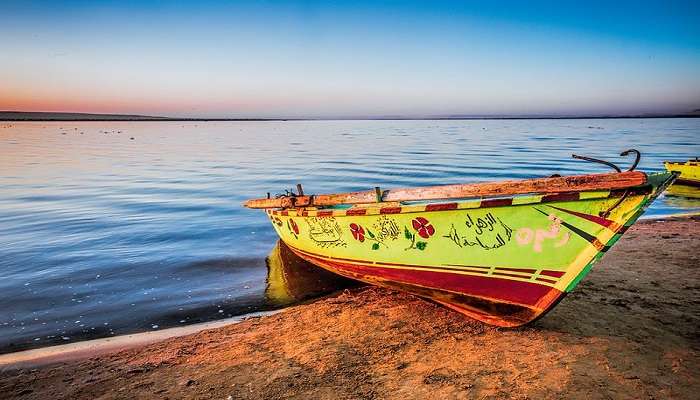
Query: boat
{"points": [[504, 253], [689, 171]]}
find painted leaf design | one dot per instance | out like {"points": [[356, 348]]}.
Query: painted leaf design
{"points": [[370, 233], [421, 245], [375, 246], [407, 233]]}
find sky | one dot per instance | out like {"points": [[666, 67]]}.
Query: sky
{"points": [[348, 59]]}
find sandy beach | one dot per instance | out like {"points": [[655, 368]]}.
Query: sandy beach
{"points": [[630, 330]]}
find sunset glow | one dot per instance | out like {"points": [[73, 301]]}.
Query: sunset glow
{"points": [[350, 59]]}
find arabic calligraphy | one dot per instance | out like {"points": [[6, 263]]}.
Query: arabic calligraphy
{"points": [[325, 232], [386, 228], [487, 232]]}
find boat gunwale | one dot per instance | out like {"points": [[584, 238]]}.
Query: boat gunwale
{"points": [[686, 163], [549, 185], [461, 204]]}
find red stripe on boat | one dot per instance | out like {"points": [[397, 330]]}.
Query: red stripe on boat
{"points": [[390, 210], [525, 293], [441, 207], [496, 202], [324, 213], [556, 274], [593, 218], [546, 280], [357, 211], [285, 213], [561, 197]]}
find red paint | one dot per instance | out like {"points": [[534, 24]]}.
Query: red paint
{"points": [[561, 197], [593, 218], [358, 232], [496, 203], [441, 207], [357, 211], [556, 274], [519, 292], [423, 227], [294, 225], [390, 210]]}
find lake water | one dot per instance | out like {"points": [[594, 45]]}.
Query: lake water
{"points": [[114, 227]]}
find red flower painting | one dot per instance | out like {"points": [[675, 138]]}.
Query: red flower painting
{"points": [[423, 227], [358, 232], [295, 227]]}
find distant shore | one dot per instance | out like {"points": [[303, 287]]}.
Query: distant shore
{"points": [[20, 116], [630, 330]]}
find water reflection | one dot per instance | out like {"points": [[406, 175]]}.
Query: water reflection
{"points": [[290, 279], [683, 197]]}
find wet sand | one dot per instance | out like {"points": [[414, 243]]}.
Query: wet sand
{"points": [[630, 330]]}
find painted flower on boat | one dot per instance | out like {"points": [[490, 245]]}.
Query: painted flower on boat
{"points": [[423, 227], [358, 232], [294, 225]]}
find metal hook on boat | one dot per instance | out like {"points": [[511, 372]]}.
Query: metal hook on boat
{"points": [[622, 198], [606, 213], [595, 160], [638, 155], [636, 160]]}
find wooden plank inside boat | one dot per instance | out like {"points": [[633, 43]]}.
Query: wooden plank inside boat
{"points": [[575, 183]]}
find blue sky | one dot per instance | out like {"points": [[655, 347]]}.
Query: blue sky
{"points": [[349, 59]]}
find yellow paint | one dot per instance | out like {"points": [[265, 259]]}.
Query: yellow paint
{"points": [[558, 248], [689, 170]]}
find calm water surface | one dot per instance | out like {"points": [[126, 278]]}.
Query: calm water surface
{"points": [[102, 234]]}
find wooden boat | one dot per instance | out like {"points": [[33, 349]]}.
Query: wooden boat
{"points": [[504, 253], [689, 171]]}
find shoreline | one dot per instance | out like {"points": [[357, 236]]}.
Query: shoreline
{"points": [[91, 347], [630, 330], [94, 347]]}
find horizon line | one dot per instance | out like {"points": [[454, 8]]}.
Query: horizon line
{"points": [[48, 116]]}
